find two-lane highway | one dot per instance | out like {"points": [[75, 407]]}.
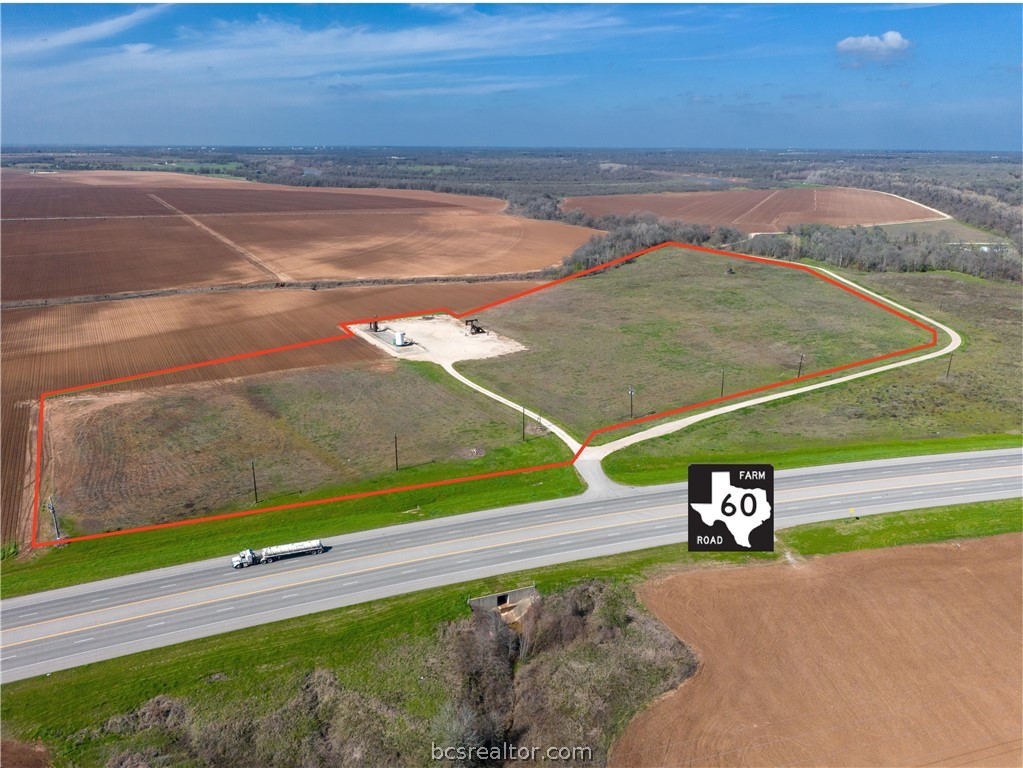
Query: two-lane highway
{"points": [[100, 620]]}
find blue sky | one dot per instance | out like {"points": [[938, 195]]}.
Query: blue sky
{"points": [[775, 76]]}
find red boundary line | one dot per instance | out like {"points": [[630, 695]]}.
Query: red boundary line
{"points": [[348, 333]]}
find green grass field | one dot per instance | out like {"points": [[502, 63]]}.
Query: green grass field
{"points": [[951, 230], [184, 166], [923, 526], [181, 452], [911, 410], [384, 649], [670, 324]]}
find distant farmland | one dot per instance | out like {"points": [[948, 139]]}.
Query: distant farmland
{"points": [[763, 210], [94, 233], [58, 258], [448, 241]]}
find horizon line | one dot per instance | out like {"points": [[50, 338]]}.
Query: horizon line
{"points": [[494, 147]]}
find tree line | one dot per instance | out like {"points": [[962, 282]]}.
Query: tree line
{"points": [[997, 208], [867, 248], [628, 234], [873, 249]]}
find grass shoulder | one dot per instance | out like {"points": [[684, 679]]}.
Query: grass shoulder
{"points": [[385, 651], [631, 469], [923, 526]]}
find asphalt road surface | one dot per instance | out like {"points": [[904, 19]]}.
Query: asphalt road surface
{"points": [[77, 625]]}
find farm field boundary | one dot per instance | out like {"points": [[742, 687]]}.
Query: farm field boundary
{"points": [[766, 210], [296, 285], [348, 332]]}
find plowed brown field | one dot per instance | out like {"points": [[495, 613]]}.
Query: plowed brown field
{"points": [[153, 180], [763, 210], [265, 198], [380, 244], [75, 257], [128, 193], [95, 233], [905, 656]]}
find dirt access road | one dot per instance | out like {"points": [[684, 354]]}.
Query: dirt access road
{"points": [[904, 656]]}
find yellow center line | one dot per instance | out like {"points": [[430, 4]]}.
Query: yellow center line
{"points": [[334, 576], [338, 562]]}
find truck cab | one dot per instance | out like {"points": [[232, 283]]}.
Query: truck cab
{"points": [[244, 559]]}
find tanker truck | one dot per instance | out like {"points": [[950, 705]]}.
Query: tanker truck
{"points": [[248, 557]]}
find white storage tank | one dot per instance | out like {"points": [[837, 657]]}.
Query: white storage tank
{"points": [[399, 338]]}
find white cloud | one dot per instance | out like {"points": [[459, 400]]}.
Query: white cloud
{"points": [[136, 48], [897, 7], [888, 47], [84, 34]]}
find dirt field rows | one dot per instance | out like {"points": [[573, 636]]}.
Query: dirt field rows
{"points": [[51, 348], [264, 198], [93, 233], [54, 196], [451, 241], [762, 210], [16, 180], [74, 257], [905, 656], [129, 193]]}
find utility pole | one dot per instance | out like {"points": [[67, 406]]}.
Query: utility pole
{"points": [[255, 490], [801, 354], [53, 513], [632, 391], [722, 383], [949, 369], [523, 423], [395, 451]]}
